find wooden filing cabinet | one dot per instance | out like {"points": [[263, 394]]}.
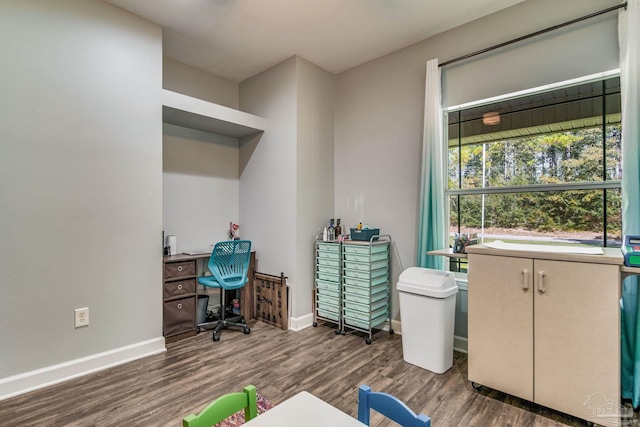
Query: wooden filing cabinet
{"points": [[179, 296]]}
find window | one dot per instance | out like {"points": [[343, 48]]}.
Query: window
{"points": [[541, 168]]}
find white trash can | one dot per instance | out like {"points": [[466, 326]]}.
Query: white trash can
{"points": [[427, 313]]}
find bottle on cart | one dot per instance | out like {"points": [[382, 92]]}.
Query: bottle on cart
{"points": [[325, 235], [332, 231], [338, 229]]}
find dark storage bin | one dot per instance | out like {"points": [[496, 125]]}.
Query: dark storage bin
{"points": [[203, 303], [364, 235]]}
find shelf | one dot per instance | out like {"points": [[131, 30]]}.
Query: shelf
{"points": [[447, 252], [194, 113]]}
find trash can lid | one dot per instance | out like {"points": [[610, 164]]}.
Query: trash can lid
{"points": [[427, 282]]}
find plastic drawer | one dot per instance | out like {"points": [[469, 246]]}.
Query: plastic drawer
{"points": [[364, 249], [364, 299], [365, 308], [335, 293], [329, 277], [366, 266], [354, 314], [329, 255], [326, 299], [365, 258], [365, 324], [326, 269], [331, 286], [364, 283], [327, 314], [328, 247], [366, 275], [356, 290], [327, 262]]}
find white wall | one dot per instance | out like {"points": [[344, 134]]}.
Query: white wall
{"points": [[268, 170], [314, 172], [182, 78], [201, 178], [81, 184], [286, 183], [201, 185], [380, 106]]}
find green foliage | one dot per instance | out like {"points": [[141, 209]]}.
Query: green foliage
{"points": [[566, 157]]}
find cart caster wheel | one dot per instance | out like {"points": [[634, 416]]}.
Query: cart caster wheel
{"points": [[198, 330], [216, 336], [315, 324], [246, 330], [337, 331], [368, 341], [476, 386], [342, 332], [391, 332]]}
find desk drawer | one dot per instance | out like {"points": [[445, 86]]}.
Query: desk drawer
{"points": [[179, 269], [179, 316], [180, 287]]}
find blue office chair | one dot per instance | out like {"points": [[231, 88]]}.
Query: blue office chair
{"points": [[389, 406], [228, 264]]}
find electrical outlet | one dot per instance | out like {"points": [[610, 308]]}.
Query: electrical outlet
{"points": [[82, 317]]}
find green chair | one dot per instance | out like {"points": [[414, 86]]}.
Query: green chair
{"points": [[225, 406]]}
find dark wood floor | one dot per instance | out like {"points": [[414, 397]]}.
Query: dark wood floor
{"points": [[160, 390]]}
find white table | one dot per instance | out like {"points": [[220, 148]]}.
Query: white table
{"points": [[304, 409]]}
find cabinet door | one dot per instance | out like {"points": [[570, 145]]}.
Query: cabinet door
{"points": [[500, 323], [577, 335]]}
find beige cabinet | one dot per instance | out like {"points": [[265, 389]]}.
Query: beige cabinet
{"points": [[545, 330]]}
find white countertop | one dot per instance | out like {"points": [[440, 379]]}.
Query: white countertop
{"points": [[304, 409]]}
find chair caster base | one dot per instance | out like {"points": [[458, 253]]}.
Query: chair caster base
{"points": [[216, 336], [246, 330]]}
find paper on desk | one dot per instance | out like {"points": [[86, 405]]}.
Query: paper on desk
{"points": [[499, 244]]}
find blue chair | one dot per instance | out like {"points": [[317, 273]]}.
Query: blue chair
{"points": [[389, 406], [228, 264]]}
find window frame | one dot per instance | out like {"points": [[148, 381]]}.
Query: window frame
{"points": [[581, 185]]}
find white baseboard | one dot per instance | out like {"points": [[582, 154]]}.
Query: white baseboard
{"points": [[39, 378], [397, 326], [460, 344], [302, 322]]}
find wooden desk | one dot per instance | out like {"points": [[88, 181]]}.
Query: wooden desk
{"points": [[180, 294], [304, 409]]}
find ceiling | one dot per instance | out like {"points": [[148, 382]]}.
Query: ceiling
{"points": [[238, 39]]}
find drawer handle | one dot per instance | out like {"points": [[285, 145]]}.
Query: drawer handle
{"points": [[180, 286], [541, 287], [179, 268], [180, 306], [525, 279]]}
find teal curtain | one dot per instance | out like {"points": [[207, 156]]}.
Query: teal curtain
{"points": [[629, 39], [432, 234]]}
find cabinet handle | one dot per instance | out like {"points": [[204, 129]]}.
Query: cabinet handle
{"points": [[541, 275], [179, 306], [180, 286], [525, 279], [179, 268]]}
